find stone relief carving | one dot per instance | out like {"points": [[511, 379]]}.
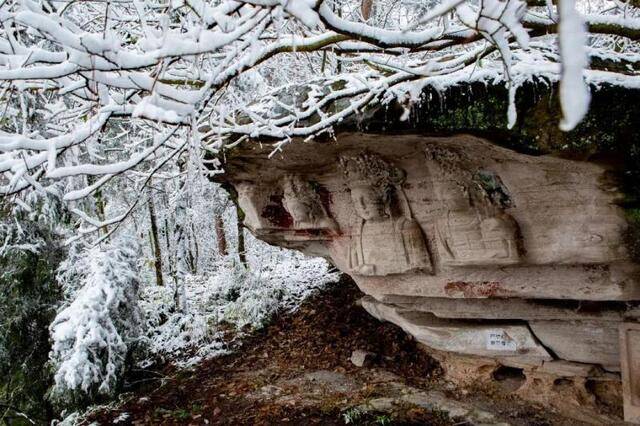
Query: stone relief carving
{"points": [[386, 239], [288, 208], [474, 230], [468, 239], [304, 205], [439, 231], [250, 202]]}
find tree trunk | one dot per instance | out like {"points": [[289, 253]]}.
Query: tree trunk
{"points": [[221, 236], [241, 248], [365, 7], [196, 251], [181, 267], [170, 255], [100, 211], [156, 243], [192, 253]]}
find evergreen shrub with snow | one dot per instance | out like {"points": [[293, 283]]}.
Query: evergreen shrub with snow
{"points": [[94, 334]]}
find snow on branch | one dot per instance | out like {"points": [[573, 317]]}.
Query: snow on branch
{"points": [[574, 93], [88, 87]]}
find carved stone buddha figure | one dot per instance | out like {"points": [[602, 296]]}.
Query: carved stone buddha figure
{"points": [[304, 205], [474, 230], [467, 238], [382, 241]]}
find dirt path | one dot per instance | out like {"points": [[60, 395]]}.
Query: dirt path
{"points": [[298, 371]]}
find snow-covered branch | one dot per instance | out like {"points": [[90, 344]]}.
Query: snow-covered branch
{"points": [[87, 87]]}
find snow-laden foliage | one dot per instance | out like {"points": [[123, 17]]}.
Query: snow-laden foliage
{"points": [[181, 337], [98, 91], [92, 335], [245, 298]]}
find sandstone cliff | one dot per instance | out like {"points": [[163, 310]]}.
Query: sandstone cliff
{"points": [[518, 246]]}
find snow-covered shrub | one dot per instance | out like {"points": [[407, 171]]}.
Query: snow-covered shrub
{"points": [[278, 282], [275, 280], [92, 335], [183, 337], [72, 272]]}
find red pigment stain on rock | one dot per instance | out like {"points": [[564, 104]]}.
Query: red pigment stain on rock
{"points": [[308, 232], [476, 289], [325, 198], [275, 213]]}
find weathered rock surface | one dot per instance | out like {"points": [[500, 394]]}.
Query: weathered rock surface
{"points": [[401, 394], [581, 391], [465, 337], [392, 394], [470, 247]]}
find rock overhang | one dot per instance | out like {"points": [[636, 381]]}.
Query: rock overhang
{"points": [[447, 204]]}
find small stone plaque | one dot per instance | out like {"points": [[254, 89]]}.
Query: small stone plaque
{"points": [[499, 340], [630, 363]]}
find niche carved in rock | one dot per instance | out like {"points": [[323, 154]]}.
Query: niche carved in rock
{"points": [[304, 205], [475, 229], [385, 239]]}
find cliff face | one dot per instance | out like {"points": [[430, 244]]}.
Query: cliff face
{"points": [[513, 245]]}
